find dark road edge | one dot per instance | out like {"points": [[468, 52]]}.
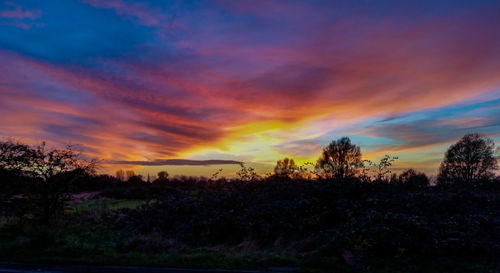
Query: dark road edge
{"points": [[6, 267]]}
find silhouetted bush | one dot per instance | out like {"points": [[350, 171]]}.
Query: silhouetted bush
{"points": [[368, 218], [413, 179]]}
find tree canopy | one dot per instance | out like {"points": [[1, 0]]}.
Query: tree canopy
{"points": [[340, 159], [285, 167], [470, 159]]}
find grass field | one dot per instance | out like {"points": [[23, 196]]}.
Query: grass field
{"points": [[105, 204], [314, 226]]}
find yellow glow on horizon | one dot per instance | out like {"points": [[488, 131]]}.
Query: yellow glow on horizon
{"points": [[257, 141]]}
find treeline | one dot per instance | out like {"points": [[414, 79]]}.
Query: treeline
{"points": [[45, 178], [469, 160], [339, 214]]}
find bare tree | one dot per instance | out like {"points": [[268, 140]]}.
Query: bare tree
{"points": [[50, 171], [470, 159], [340, 159], [247, 173], [129, 173], [381, 169], [120, 175]]}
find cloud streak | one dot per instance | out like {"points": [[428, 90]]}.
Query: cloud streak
{"points": [[176, 162]]}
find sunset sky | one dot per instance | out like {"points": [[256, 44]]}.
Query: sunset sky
{"points": [[137, 82]]}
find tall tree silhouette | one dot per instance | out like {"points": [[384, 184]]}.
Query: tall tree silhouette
{"points": [[470, 159], [340, 159]]}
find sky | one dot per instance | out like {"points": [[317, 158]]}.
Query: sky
{"points": [[142, 84]]}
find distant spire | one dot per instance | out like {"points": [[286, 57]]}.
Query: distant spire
{"points": [[149, 181]]}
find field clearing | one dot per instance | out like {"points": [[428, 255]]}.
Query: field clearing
{"points": [[113, 204]]}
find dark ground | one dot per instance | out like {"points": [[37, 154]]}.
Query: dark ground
{"points": [[32, 268]]}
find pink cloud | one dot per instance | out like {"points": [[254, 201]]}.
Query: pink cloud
{"points": [[19, 13], [144, 14]]}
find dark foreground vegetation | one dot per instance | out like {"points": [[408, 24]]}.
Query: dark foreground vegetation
{"points": [[345, 215]]}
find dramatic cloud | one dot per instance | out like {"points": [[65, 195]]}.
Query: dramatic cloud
{"points": [[149, 81]]}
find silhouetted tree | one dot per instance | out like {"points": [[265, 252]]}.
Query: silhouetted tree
{"points": [[247, 173], [470, 159], [124, 175], [11, 157], [382, 168], [11, 183], [136, 180], [340, 159], [129, 173], [163, 175], [50, 172], [216, 174], [285, 167], [413, 179], [120, 175]]}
